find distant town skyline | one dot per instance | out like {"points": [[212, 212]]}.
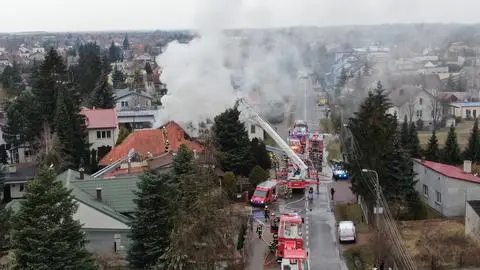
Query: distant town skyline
{"points": [[109, 15]]}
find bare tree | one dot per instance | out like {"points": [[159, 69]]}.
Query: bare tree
{"points": [[436, 108], [410, 109]]}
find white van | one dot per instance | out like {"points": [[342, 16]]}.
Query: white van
{"points": [[346, 232]]}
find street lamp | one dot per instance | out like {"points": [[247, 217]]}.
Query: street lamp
{"points": [[377, 209]]}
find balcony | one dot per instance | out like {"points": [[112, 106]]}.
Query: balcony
{"points": [[138, 114]]}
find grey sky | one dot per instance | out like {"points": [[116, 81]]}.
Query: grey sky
{"points": [[68, 15]]}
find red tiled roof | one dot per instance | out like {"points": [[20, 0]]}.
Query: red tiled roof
{"points": [[151, 141], [449, 171], [100, 118]]}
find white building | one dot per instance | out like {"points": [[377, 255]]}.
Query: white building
{"points": [[446, 188], [415, 103], [465, 110], [102, 127], [472, 220]]}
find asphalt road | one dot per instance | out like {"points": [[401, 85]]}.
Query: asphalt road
{"points": [[320, 228]]}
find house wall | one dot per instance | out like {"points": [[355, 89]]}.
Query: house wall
{"points": [[96, 142], [102, 241], [462, 111], [454, 193], [420, 107], [91, 218], [17, 190], [254, 131], [472, 223], [133, 100]]}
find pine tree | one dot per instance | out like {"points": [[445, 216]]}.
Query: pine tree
{"points": [[118, 79], [405, 134], [432, 152], [5, 230], [451, 151], [472, 152], [126, 44], [258, 175], [373, 130], [415, 148], [102, 95], [183, 161], [122, 135], [3, 154], [46, 236], [148, 68], [89, 68], [233, 155], [260, 154], [113, 52], [451, 85], [152, 221], [51, 77]]}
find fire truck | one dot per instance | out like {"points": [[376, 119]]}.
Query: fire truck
{"points": [[290, 238]]}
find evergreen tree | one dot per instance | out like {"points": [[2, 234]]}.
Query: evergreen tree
{"points": [[374, 131], [152, 221], [183, 161], [10, 77], [148, 68], [341, 81], [126, 44], [472, 152], [260, 154], [89, 68], [3, 154], [415, 148], [103, 151], [23, 121], [405, 134], [233, 155], [229, 184], [122, 135], [451, 85], [51, 77], [258, 175], [106, 65], [432, 152], [46, 236], [451, 151], [118, 79], [401, 174], [5, 230], [102, 95], [114, 52]]}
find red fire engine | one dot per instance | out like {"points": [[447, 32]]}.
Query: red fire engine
{"points": [[289, 235]]}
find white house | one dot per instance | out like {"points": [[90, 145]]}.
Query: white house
{"points": [[254, 131], [465, 109], [446, 188], [129, 98], [415, 103], [472, 220], [102, 127]]}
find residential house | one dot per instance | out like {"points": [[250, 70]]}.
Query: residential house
{"points": [[135, 109], [472, 220], [254, 130], [102, 127], [465, 110], [16, 178], [430, 68], [99, 202], [416, 103], [149, 144], [446, 188]]}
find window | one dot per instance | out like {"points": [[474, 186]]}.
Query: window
{"points": [[420, 101], [16, 156], [425, 190], [104, 134], [124, 103], [438, 197], [22, 187], [252, 129], [419, 113]]}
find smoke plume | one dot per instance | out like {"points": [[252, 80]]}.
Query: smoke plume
{"points": [[204, 76]]}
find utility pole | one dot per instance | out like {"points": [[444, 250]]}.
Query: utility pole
{"points": [[377, 210]]}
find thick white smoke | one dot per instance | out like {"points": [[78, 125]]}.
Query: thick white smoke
{"points": [[199, 75]]}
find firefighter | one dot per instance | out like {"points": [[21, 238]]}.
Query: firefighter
{"points": [[259, 230], [267, 213], [274, 225]]}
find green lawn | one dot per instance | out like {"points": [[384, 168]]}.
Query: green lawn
{"points": [[463, 133]]}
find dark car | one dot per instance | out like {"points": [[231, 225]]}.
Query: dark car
{"points": [[339, 171]]}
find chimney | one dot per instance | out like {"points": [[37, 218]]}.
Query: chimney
{"points": [[467, 166], [129, 162], [82, 173], [99, 194]]}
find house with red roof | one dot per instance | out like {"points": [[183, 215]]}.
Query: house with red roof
{"points": [[446, 188], [150, 145], [102, 126]]}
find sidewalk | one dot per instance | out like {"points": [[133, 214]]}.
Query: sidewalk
{"points": [[258, 248]]}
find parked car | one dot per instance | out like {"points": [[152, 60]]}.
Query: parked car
{"points": [[347, 232], [339, 171]]}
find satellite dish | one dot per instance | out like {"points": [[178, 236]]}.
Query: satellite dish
{"points": [[131, 153]]}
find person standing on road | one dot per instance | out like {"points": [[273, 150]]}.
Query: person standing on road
{"points": [[332, 192]]}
